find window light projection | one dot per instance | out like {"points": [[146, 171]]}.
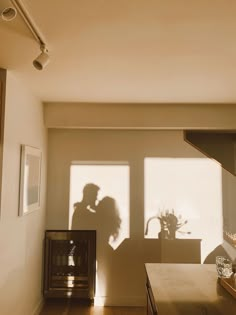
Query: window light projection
{"points": [[183, 199], [99, 199], [229, 215]]}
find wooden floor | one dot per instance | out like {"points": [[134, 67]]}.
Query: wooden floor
{"points": [[70, 307]]}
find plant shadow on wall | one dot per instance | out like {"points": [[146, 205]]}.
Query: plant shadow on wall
{"points": [[170, 223]]}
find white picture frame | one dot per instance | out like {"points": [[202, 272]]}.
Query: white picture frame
{"points": [[30, 179]]}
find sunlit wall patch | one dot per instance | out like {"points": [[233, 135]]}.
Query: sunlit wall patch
{"points": [[101, 191], [183, 199]]}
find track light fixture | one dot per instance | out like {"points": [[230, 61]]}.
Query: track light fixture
{"points": [[8, 13], [42, 60]]}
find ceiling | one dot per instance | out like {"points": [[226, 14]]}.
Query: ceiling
{"points": [[147, 51]]}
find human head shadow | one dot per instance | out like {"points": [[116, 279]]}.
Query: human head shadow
{"points": [[84, 210], [89, 198], [102, 216], [109, 221]]}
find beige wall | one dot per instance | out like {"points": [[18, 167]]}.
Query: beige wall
{"points": [[21, 238], [141, 116], [124, 279]]}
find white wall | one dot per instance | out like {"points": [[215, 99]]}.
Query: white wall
{"points": [[21, 238]]}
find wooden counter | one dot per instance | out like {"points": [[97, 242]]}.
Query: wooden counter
{"points": [[186, 289]]}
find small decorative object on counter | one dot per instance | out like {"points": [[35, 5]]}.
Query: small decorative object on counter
{"points": [[223, 267]]}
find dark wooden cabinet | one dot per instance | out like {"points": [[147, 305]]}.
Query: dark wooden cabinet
{"points": [[151, 305], [70, 264]]}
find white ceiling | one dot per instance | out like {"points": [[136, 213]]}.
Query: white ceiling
{"points": [[127, 50]]}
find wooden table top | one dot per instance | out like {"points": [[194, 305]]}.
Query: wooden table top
{"points": [[189, 289]]}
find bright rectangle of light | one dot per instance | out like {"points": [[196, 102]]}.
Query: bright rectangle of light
{"points": [[192, 187], [113, 181]]}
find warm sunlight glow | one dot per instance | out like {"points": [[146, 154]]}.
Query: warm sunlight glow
{"points": [[190, 189], [112, 182]]}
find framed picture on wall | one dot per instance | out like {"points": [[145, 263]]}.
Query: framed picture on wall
{"points": [[30, 176]]}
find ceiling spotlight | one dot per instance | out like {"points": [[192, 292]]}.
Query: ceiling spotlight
{"points": [[8, 14], [42, 60]]}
